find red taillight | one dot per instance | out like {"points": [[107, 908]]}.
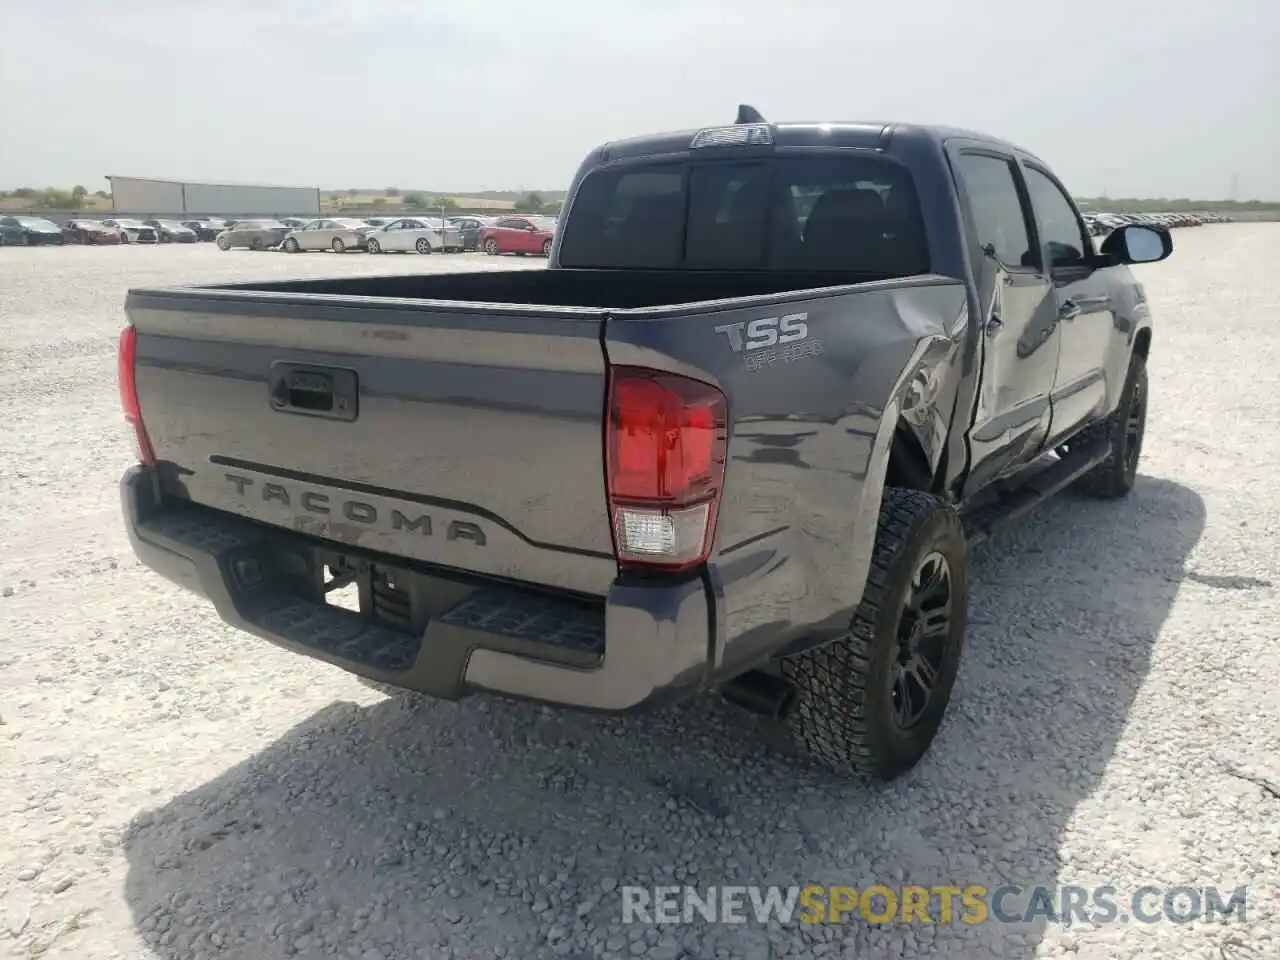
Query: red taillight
{"points": [[127, 357], [665, 443]]}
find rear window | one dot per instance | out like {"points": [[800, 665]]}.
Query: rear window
{"points": [[837, 213]]}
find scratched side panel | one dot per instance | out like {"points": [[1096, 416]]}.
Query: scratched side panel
{"points": [[812, 420]]}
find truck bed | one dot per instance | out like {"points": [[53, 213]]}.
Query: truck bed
{"points": [[454, 425], [600, 289]]}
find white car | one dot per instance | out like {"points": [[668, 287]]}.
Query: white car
{"points": [[338, 234], [133, 231], [410, 234]]}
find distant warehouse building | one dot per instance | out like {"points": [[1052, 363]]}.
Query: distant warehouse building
{"points": [[139, 195]]}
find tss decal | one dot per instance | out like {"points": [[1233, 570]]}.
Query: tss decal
{"points": [[766, 341], [765, 332]]}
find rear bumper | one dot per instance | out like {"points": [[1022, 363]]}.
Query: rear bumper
{"points": [[437, 632]]}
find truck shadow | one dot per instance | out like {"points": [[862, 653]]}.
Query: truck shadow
{"points": [[400, 828]]}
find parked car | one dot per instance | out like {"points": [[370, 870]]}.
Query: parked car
{"points": [[470, 229], [93, 232], [804, 414], [338, 234], [29, 231], [410, 234], [133, 231], [518, 235], [252, 234], [206, 231], [171, 231]]}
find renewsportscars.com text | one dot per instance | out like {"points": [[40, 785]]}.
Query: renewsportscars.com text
{"points": [[970, 904]]}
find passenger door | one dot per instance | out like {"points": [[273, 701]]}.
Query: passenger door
{"points": [[1085, 311], [1018, 331], [394, 237], [516, 235], [307, 234]]}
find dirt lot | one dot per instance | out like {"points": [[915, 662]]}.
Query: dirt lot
{"points": [[172, 789]]}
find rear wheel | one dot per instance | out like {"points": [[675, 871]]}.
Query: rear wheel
{"points": [[546, 248], [291, 245], [423, 245], [491, 247], [339, 246], [257, 244], [1122, 432], [872, 701]]}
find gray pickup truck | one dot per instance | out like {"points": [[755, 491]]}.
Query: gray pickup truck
{"points": [[739, 435]]}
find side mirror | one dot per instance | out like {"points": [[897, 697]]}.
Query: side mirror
{"points": [[1134, 243], [531, 228]]}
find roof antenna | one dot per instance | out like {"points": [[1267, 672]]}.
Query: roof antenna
{"points": [[749, 114]]}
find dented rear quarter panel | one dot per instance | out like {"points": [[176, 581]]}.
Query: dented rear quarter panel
{"points": [[811, 426]]}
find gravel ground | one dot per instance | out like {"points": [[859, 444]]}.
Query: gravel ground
{"points": [[173, 789]]}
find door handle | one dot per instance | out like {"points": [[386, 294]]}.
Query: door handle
{"points": [[329, 392], [994, 326], [1069, 310]]}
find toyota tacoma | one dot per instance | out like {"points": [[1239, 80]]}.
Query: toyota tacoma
{"points": [[740, 435]]}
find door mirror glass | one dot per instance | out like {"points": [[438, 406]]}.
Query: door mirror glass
{"points": [[1143, 245], [1133, 243]]}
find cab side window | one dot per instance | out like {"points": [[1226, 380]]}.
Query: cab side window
{"points": [[998, 215], [1060, 228]]}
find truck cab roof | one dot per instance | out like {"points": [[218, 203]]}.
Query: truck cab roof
{"points": [[865, 135]]}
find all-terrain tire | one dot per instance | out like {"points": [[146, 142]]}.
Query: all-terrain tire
{"points": [[1122, 431], [844, 713]]}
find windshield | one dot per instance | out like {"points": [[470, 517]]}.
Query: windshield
{"points": [[128, 223], [261, 225], [838, 213], [38, 223], [171, 224]]}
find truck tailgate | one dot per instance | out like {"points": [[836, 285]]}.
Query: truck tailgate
{"points": [[468, 438]]}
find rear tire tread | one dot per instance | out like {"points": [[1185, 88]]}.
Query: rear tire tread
{"points": [[1110, 480], [830, 721]]}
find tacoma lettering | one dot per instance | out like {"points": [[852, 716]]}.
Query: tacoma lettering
{"points": [[421, 523], [357, 511]]}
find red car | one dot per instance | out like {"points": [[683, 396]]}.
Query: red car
{"points": [[89, 231], [518, 235]]}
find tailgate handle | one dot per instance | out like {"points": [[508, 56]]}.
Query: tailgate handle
{"points": [[314, 391]]}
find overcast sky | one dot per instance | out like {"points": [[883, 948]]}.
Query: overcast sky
{"points": [[1132, 97]]}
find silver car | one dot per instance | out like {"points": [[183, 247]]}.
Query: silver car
{"points": [[338, 234], [254, 234], [415, 233]]}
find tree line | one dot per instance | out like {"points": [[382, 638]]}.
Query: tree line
{"points": [[53, 198]]}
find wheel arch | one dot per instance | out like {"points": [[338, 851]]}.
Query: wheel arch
{"points": [[1142, 343], [908, 465]]}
